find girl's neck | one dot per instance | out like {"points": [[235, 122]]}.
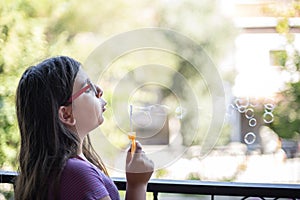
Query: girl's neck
{"points": [[80, 152], [82, 156]]}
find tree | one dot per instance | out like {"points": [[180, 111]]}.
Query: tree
{"points": [[286, 114], [29, 32], [203, 22]]}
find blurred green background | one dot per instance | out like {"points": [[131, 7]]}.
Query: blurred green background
{"points": [[32, 30]]}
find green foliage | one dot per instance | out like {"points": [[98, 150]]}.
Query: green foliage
{"points": [[282, 26], [24, 40], [193, 176], [30, 31], [161, 173], [286, 114], [278, 57]]}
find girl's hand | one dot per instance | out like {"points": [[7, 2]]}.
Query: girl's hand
{"points": [[139, 167]]}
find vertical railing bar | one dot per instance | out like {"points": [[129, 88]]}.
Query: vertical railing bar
{"points": [[155, 195], [212, 197]]}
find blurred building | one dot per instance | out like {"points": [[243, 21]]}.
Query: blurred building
{"points": [[263, 26]]}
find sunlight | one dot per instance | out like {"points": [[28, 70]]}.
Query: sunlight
{"points": [[263, 82], [256, 77]]}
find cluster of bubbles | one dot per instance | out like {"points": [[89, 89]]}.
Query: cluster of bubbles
{"points": [[247, 107], [147, 112]]}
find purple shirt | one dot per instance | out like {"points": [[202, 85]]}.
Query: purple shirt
{"points": [[80, 180]]}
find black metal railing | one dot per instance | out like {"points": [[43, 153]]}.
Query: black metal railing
{"points": [[243, 190]]}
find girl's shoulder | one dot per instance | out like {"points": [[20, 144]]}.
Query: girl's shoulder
{"points": [[76, 163], [81, 180], [79, 167]]}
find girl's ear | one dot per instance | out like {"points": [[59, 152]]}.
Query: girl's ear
{"points": [[65, 115]]}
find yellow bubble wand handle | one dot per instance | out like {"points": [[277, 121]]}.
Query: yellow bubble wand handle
{"points": [[131, 134]]}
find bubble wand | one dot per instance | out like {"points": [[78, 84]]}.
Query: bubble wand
{"points": [[131, 134]]}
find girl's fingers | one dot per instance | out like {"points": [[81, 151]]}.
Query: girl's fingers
{"points": [[133, 147], [138, 147], [137, 152]]}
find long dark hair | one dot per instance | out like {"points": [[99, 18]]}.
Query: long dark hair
{"points": [[46, 143]]}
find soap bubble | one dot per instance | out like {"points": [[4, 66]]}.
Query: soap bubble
{"points": [[269, 107], [269, 104], [268, 117], [252, 122], [142, 116], [249, 113], [180, 112], [231, 111], [158, 109], [130, 80], [242, 104], [242, 109], [250, 138]]}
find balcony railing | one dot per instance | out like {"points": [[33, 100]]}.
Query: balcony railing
{"points": [[213, 189]]}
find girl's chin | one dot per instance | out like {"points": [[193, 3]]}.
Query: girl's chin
{"points": [[100, 120]]}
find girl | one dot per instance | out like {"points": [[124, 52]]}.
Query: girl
{"points": [[57, 106]]}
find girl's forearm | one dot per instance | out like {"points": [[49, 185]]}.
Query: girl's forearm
{"points": [[136, 192]]}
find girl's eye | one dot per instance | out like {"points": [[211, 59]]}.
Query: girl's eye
{"points": [[88, 90]]}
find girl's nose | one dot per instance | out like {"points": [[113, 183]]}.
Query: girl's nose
{"points": [[99, 92]]}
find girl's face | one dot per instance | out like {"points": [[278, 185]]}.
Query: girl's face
{"points": [[88, 107]]}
